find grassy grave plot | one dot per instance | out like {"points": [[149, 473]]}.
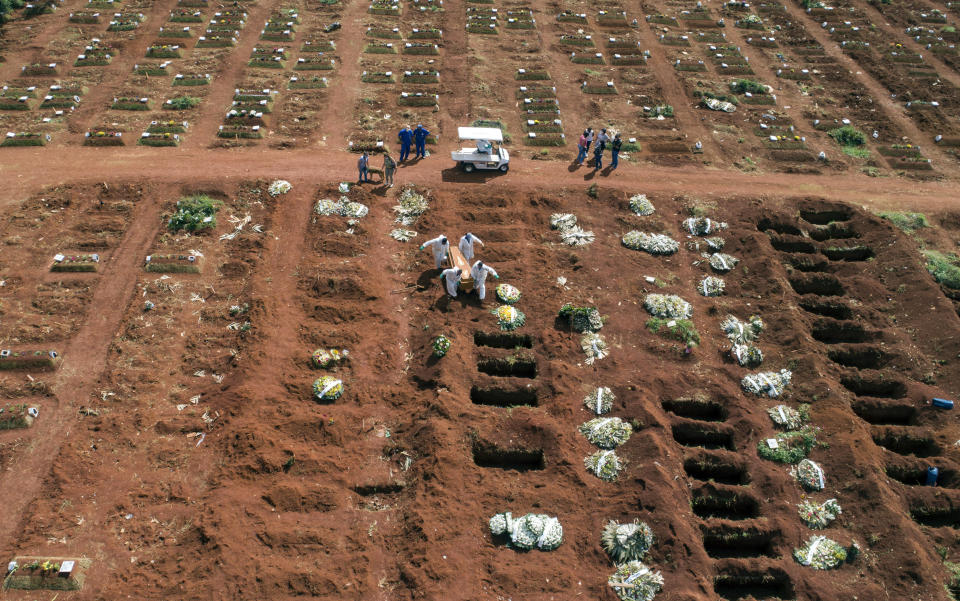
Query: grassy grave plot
{"points": [[752, 92], [425, 76], [168, 127], [148, 139], [175, 32], [377, 77], [582, 40], [96, 54], [544, 139], [267, 62], [627, 60], [193, 3], [278, 35], [306, 83], [692, 65], [181, 103], [568, 16], [661, 19], [418, 99], [380, 48], [421, 48], [184, 15], [595, 58], [194, 213], [428, 5], [612, 18], [161, 263], [674, 39], [85, 17], [851, 140], [38, 70], [425, 33], [532, 75], [29, 359], [24, 139], [543, 106], [750, 22], [191, 79], [103, 137], [599, 86], [385, 7], [124, 103], [214, 40], [323, 45], [15, 416], [63, 97], [318, 62], [75, 263], [520, 19], [366, 142], [244, 117], [158, 50], [794, 74], [152, 69], [543, 126], [17, 99], [126, 22], [47, 573], [259, 98], [237, 132], [763, 42], [482, 25]]}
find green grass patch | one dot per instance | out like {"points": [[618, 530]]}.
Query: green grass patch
{"points": [[848, 136], [945, 268], [857, 152], [29, 360], [681, 329], [792, 447], [172, 264], [14, 417], [195, 213], [181, 103], [907, 222]]}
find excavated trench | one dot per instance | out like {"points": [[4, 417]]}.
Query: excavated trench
{"points": [[826, 308], [859, 357], [916, 475], [833, 231], [709, 411], [502, 340], [904, 443], [838, 332], [885, 414], [724, 504], [726, 541], [772, 584], [766, 224], [825, 217], [712, 468], [696, 435], [875, 387], [502, 397], [808, 263], [513, 366], [522, 460], [821, 285], [789, 245], [848, 253]]}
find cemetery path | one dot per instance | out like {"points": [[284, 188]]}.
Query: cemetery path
{"points": [[77, 379], [27, 171]]}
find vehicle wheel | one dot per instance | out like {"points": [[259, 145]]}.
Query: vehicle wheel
{"points": [[468, 167], [504, 168]]}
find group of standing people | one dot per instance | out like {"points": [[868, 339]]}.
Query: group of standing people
{"points": [[440, 246], [603, 140], [407, 136]]}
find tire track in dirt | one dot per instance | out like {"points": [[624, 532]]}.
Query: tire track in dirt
{"points": [[96, 104], [85, 358], [345, 88], [879, 92], [210, 112], [674, 95]]}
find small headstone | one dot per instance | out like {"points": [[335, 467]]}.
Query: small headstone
{"points": [[66, 568]]}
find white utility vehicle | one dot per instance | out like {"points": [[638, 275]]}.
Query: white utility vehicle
{"points": [[486, 153]]}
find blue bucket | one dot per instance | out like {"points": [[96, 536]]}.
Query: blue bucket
{"points": [[942, 403], [932, 475]]}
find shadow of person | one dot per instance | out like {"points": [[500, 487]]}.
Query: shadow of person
{"points": [[428, 278], [607, 171]]}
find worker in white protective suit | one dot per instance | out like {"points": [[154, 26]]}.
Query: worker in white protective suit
{"points": [[479, 273], [452, 276], [440, 246], [466, 245]]}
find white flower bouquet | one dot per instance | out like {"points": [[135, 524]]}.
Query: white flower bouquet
{"points": [[508, 294], [819, 515], [770, 383], [343, 207], [701, 226], [809, 475], [402, 235], [279, 187], [576, 236], [821, 553], [509, 318], [655, 244], [606, 432], [412, 205], [740, 332], [563, 221], [722, 263], [328, 388], [634, 581], [599, 401], [324, 358], [664, 305], [604, 465], [747, 355], [594, 347], [440, 345], [711, 286], [626, 542], [788, 418], [532, 531], [641, 205], [715, 243], [581, 319]]}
